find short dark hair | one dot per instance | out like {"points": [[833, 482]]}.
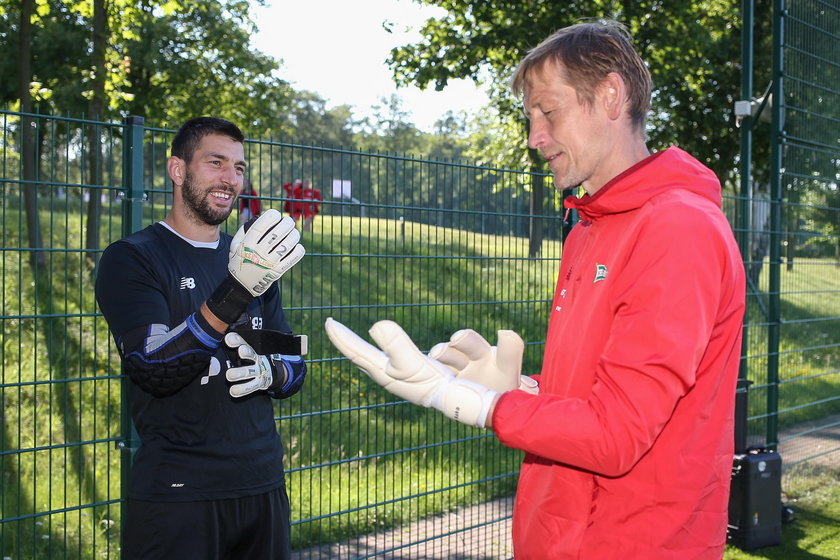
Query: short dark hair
{"points": [[587, 52], [187, 138]]}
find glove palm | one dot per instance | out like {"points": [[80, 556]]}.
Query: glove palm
{"points": [[266, 251]]}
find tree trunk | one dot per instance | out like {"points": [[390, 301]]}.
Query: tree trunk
{"points": [[27, 135], [97, 105], [535, 222]]}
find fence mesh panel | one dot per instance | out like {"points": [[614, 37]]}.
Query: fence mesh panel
{"points": [[793, 307]]}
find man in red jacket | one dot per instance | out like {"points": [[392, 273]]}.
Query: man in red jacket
{"points": [[629, 441]]}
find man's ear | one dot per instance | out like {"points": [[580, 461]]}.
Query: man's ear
{"points": [[177, 169], [613, 92]]}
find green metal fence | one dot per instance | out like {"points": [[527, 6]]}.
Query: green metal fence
{"points": [[437, 246], [792, 354], [59, 384]]}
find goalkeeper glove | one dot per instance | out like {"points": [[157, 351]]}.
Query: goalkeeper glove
{"points": [[409, 374], [471, 357], [275, 373], [260, 253]]}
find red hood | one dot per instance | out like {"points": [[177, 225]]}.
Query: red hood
{"points": [[668, 169]]}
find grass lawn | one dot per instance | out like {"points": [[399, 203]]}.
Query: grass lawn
{"points": [[814, 533]]}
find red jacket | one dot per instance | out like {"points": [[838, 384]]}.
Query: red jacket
{"points": [[629, 444]]}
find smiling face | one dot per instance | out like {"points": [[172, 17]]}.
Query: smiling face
{"points": [[210, 183], [574, 136]]}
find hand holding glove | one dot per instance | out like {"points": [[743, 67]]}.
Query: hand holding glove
{"points": [[260, 253], [498, 367], [406, 372], [258, 375], [280, 374]]}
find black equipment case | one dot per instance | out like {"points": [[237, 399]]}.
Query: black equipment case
{"points": [[755, 511]]}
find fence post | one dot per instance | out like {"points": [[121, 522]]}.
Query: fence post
{"points": [[133, 199], [133, 195], [745, 200], [776, 199]]}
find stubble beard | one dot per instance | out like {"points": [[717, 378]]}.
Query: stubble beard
{"points": [[566, 182], [197, 205], [571, 178]]}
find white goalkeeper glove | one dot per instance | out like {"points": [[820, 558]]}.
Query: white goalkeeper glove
{"points": [[260, 253], [498, 367], [266, 251], [258, 376], [409, 374]]}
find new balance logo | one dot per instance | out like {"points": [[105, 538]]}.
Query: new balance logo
{"points": [[187, 283]]}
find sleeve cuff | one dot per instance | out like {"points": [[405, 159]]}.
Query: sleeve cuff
{"points": [[206, 334]]}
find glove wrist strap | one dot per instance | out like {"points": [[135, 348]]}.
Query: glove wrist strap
{"points": [[487, 399], [229, 300], [279, 372], [464, 401]]}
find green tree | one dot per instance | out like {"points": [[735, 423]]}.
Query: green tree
{"points": [[390, 129], [692, 49], [166, 61], [24, 75], [69, 47], [194, 57], [308, 121]]}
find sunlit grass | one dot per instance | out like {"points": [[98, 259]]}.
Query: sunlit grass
{"points": [[61, 406], [814, 533]]}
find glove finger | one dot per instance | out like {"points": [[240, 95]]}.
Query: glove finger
{"points": [[247, 352], [473, 345], [276, 238], [449, 356], [269, 220], [438, 349], [241, 373], [509, 350], [404, 358], [243, 389], [367, 357], [233, 340], [286, 242], [249, 246], [529, 385], [289, 260], [236, 241]]}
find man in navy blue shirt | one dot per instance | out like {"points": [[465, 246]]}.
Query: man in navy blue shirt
{"points": [[207, 480]]}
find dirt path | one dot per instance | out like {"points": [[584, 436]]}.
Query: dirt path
{"points": [[816, 442], [481, 532]]}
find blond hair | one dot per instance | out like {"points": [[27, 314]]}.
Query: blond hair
{"points": [[586, 53]]}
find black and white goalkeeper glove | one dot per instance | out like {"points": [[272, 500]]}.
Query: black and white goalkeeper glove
{"points": [[260, 253], [403, 370], [275, 373]]}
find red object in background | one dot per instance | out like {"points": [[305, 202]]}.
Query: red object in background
{"points": [[312, 204], [305, 201], [250, 207], [292, 207]]}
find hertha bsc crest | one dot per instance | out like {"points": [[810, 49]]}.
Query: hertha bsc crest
{"points": [[600, 273]]}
